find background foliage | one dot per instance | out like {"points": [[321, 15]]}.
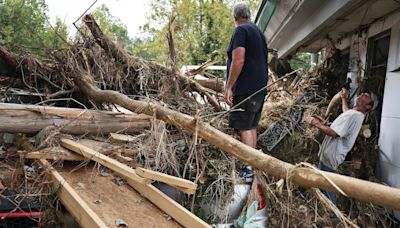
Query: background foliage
{"points": [[202, 30], [24, 27]]}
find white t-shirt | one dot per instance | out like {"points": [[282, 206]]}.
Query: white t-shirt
{"points": [[347, 125]]}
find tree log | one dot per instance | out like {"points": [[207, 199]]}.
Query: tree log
{"points": [[17, 118], [302, 176]]}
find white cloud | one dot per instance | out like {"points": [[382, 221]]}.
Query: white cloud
{"points": [[132, 13]]}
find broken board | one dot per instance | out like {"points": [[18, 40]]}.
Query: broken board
{"points": [[117, 202]]}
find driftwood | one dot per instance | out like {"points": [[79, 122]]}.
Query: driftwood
{"points": [[129, 62], [17, 118], [307, 177]]}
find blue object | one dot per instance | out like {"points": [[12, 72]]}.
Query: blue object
{"points": [[247, 172]]}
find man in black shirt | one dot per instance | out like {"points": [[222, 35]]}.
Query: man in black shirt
{"points": [[247, 75]]}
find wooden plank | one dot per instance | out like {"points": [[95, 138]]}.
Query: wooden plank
{"points": [[82, 213], [172, 208], [54, 153], [110, 163], [131, 163], [111, 201], [168, 179], [121, 138]]}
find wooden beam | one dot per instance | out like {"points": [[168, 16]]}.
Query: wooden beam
{"points": [[130, 162], [82, 213], [110, 163], [168, 179], [172, 208]]}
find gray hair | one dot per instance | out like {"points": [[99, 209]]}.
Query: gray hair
{"points": [[241, 10]]}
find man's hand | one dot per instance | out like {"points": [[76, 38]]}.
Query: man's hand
{"points": [[314, 121], [344, 94], [228, 96]]}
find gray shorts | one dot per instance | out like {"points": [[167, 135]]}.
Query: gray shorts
{"points": [[248, 118]]}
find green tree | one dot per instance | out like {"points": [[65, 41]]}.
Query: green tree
{"points": [[202, 30], [301, 60], [57, 35], [24, 27], [113, 27]]}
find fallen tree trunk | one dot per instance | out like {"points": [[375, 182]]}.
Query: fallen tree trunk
{"points": [[129, 62], [17, 118], [307, 177]]}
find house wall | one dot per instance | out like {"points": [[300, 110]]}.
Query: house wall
{"points": [[389, 139]]}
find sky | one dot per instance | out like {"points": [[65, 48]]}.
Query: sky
{"points": [[132, 13]]}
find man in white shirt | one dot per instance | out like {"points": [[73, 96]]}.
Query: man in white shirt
{"points": [[342, 134]]}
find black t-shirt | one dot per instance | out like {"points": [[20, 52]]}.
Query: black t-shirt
{"points": [[254, 74]]}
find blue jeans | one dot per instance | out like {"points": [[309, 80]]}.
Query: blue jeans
{"points": [[331, 196]]}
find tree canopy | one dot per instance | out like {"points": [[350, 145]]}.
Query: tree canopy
{"points": [[202, 30], [25, 27]]}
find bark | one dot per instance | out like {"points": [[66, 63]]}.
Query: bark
{"points": [[214, 84], [306, 177], [128, 62], [16, 118]]}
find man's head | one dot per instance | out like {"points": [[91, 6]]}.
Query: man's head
{"points": [[364, 102], [241, 12]]}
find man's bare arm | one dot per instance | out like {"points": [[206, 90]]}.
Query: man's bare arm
{"points": [[238, 57], [327, 130]]}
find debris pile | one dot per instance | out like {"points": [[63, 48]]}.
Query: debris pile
{"points": [[92, 123]]}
